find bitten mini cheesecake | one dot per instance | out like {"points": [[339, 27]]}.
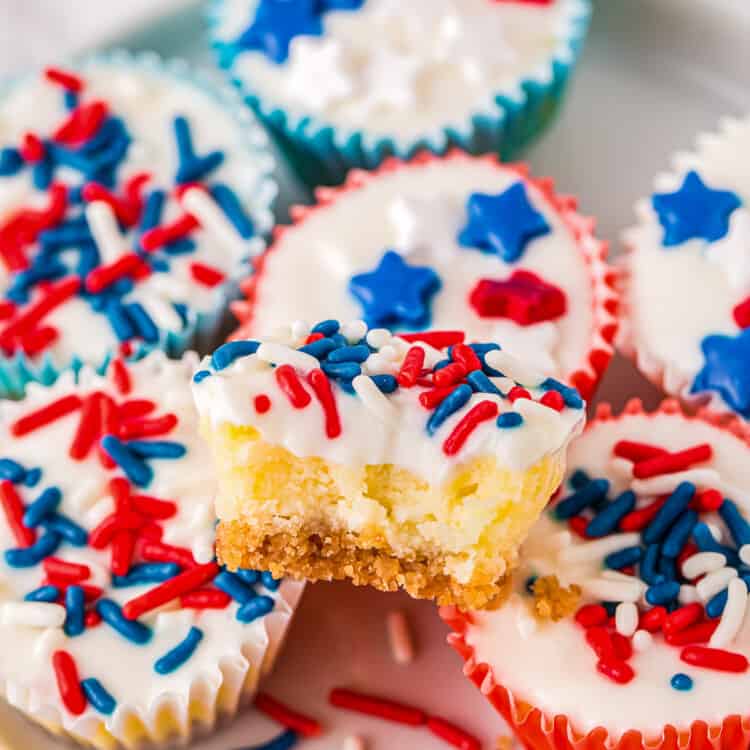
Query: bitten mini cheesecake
{"points": [[417, 461]]}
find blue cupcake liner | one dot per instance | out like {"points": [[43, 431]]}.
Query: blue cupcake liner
{"points": [[322, 153], [203, 329]]}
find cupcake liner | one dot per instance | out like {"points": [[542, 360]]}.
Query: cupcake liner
{"points": [[537, 730], [588, 373], [203, 329], [322, 153]]}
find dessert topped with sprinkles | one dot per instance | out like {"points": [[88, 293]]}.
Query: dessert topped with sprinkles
{"points": [[116, 621], [451, 242], [634, 584], [415, 460], [130, 203]]}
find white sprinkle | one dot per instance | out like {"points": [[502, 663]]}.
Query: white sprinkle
{"points": [[714, 582], [715, 530], [590, 551], [388, 352], [378, 337], [701, 563], [512, 367], [621, 468], [279, 354], [688, 594], [613, 591], [377, 365], [734, 614], [32, 614], [616, 575], [745, 554], [399, 638], [626, 618], [354, 331], [204, 208], [106, 233], [300, 330], [353, 742], [373, 398], [203, 548], [534, 410], [48, 641], [162, 312], [502, 384], [526, 623], [667, 483], [642, 640]]}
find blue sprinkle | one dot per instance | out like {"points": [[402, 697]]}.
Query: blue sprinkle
{"points": [[74, 609], [358, 353], [529, 585], [344, 370], [481, 349], [681, 681], [679, 534], [327, 327], [260, 606], [201, 375], [45, 504], [174, 659], [608, 518], [454, 401], [11, 162], [623, 558], [706, 543], [662, 593], [579, 478], [480, 383], [271, 583], [230, 204], [64, 236], [590, 494], [284, 741], [157, 448], [119, 320], [611, 608], [716, 604], [648, 569], [250, 577], [738, 527], [42, 173], [70, 99], [132, 630], [152, 209], [137, 471], [11, 470], [509, 419], [226, 354], [232, 585], [667, 567], [442, 363], [385, 383], [143, 323], [43, 594], [146, 573], [27, 557], [192, 167], [571, 397], [32, 477], [669, 512], [319, 349], [97, 696], [70, 531]]}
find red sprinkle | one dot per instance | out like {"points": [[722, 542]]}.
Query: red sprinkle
{"points": [[121, 376], [436, 339], [37, 341], [683, 617], [653, 619], [285, 716], [205, 599], [578, 525], [714, 658], [482, 412], [82, 123], [291, 386], [88, 428], [32, 148], [67, 80], [741, 313], [411, 367], [467, 357], [103, 276], [66, 571], [600, 640], [206, 275], [622, 645], [120, 491], [128, 208], [68, 683], [322, 388], [590, 615], [452, 734], [262, 403], [108, 415], [431, 399], [635, 452], [380, 707], [155, 551], [313, 337], [122, 548], [157, 237], [153, 507], [553, 399], [92, 619], [449, 375], [13, 508], [175, 587], [46, 415], [617, 670], [672, 462], [638, 519], [140, 428], [136, 408], [707, 501], [517, 392], [700, 633]]}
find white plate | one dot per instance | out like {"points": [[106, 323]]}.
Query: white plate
{"points": [[655, 73]]}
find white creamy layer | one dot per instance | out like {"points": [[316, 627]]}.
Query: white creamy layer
{"points": [[552, 667]]}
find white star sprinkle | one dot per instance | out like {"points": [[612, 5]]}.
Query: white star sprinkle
{"points": [[534, 344], [319, 72], [428, 226]]}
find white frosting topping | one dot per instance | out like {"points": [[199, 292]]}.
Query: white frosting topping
{"points": [[229, 650], [382, 428], [147, 97], [418, 211], [407, 70], [550, 664]]}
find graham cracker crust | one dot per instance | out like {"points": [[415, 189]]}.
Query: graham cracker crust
{"points": [[336, 555]]}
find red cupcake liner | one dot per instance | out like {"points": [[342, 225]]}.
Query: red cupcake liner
{"points": [[538, 730], [587, 375]]}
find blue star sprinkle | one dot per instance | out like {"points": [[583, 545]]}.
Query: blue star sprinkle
{"points": [[694, 211], [395, 293], [726, 370], [503, 224]]}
